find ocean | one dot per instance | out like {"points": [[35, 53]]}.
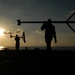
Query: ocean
{"points": [[39, 47]]}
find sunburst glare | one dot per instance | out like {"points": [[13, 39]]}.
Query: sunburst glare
{"points": [[1, 31]]}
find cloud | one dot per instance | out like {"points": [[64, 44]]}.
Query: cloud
{"points": [[13, 32], [19, 31], [70, 12], [37, 31], [8, 32]]}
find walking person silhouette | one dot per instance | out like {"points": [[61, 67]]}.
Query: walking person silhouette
{"points": [[50, 33], [17, 39]]}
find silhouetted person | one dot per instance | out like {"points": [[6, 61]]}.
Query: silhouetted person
{"points": [[49, 33], [17, 39]]}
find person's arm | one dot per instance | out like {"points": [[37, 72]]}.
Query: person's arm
{"points": [[43, 26], [19, 38], [55, 38], [15, 38]]}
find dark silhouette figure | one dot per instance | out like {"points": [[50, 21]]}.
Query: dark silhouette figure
{"points": [[17, 39], [49, 33]]}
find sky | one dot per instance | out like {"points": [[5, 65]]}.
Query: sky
{"points": [[34, 10]]}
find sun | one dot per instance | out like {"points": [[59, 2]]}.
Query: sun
{"points": [[1, 31]]}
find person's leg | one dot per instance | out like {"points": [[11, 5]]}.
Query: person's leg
{"points": [[48, 42], [17, 46], [48, 45]]}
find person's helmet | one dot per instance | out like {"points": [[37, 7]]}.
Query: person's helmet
{"points": [[49, 20], [16, 35]]}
